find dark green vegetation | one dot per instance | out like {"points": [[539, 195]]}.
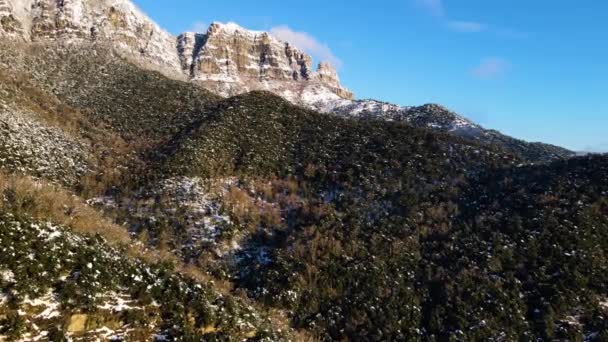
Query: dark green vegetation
{"points": [[110, 92], [87, 279], [442, 119], [47, 287], [400, 233], [261, 135], [531, 152], [359, 229]]}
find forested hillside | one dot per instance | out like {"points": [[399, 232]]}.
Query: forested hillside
{"points": [[142, 207]]}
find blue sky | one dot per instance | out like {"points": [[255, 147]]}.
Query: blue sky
{"points": [[533, 69]]}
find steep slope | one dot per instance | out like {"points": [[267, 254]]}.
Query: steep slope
{"points": [[107, 89], [388, 232], [231, 60], [226, 59], [81, 117], [67, 272], [260, 134], [81, 287], [495, 264], [538, 230], [31, 147], [41, 134], [117, 21], [418, 226]]}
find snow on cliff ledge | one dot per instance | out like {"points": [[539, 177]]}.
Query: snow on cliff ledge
{"points": [[227, 59]]}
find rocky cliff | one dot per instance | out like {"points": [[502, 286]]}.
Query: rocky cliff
{"points": [[226, 59], [229, 60], [117, 22]]}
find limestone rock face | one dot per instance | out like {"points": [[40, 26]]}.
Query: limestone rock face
{"points": [[11, 19], [118, 22], [328, 75], [227, 59], [188, 47], [232, 51]]}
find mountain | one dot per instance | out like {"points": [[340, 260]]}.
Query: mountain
{"points": [[69, 130], [437, 117], [380, 231], [135, 204], [226, 59], [230, 60], [116, 21]]}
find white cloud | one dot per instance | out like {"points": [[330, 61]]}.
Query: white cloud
{"points": [[466, 26], [599, 148], [435, 7], [306, 42], [491, 68], [199, 27]]}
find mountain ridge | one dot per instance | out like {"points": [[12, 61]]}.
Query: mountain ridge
{"points": [[230, 60], [274, 65], [346, 228], [439, 118]]}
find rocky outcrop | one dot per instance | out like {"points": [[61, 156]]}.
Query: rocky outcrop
{"points": [[117, 22], [328, 75], [10, 23], [231, 60], [430, 116], [77, 323], [226, 59], [189, 45]]}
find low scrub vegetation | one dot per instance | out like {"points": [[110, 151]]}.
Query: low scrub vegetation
{"points": [[41, 200]]}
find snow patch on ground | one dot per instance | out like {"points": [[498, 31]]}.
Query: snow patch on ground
{"points": [[189, 198], [49, 302], [117, 303], [234, 28]]}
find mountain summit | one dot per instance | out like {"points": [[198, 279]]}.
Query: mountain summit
{"points": [[118, 22], [226, 59], [230, 60]]}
